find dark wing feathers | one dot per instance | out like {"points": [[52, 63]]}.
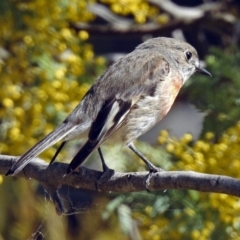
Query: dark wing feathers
{"points": [[100, 120], [79, 158], [108, 120]]}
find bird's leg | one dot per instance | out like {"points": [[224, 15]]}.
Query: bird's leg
{"points": [[104, 165], [152, 168], [57, 152], [107, 172]]}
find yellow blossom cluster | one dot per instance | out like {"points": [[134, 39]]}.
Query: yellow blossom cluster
{"points": [[48, 69], [214, 157], [206, 155], [141, 10], [164, 227]]}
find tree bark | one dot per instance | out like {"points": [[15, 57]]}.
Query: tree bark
{"points": [[52, 178]]}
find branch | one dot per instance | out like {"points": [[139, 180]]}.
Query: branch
{"points": [[52, 179], [186, 14], [181, 17]]}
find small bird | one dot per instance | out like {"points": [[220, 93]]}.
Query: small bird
{"points": [[134, 94]]}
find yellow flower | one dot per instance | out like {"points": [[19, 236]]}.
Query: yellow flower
{"points": [[83, 35], [7, 103]]}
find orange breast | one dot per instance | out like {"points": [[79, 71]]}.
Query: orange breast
{"points": [[169, 92]]}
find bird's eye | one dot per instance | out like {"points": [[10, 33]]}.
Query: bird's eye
{"points": [[188, 55]]}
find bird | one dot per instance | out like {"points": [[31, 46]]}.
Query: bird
{"points": [[128, 99]]}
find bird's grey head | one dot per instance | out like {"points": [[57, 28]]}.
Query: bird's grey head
{"points": [[178, 53]]}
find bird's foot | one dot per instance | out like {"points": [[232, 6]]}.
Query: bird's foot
{"points": [[106, 175], [152, 169]]}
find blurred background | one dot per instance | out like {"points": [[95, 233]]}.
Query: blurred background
{"points": [[50, 54]]}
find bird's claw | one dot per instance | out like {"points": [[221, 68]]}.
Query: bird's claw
{"points": [[153, 169], [106, 174]]}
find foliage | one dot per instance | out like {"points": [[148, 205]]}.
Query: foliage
{"points": [[190, 214], [46, 71], [218, 96], [140, 10], [206, 155]]}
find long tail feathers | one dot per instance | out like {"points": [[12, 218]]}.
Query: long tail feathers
{"points": [[81, 156], [45, 143]]}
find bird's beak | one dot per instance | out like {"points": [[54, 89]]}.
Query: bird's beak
{"points": [[203, 71]]}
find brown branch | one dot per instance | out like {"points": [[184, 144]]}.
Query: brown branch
{"points": [[129, 30], [123, 182], [52, 179], [186, 14], [205, 16]]}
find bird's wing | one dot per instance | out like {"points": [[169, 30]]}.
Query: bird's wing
{"points": [[137, 72], [116, 107]]}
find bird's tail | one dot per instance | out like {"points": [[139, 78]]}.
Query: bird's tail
{"points": [[45, 143]]}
